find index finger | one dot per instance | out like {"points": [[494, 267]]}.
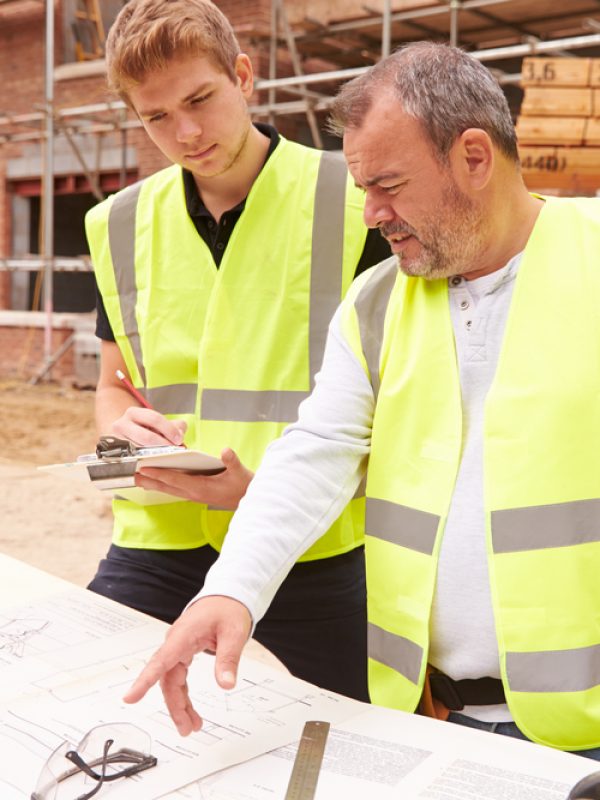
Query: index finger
{"points": [[154, 670], [187, 636]]}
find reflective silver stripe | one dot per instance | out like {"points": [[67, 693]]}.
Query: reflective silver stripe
{"points": [[238, 405], [121, 240], [554, 670], [327, 252], [541, 527], [177, 398], [395, 652], [172, 399], [371, 304], [401, 525]]}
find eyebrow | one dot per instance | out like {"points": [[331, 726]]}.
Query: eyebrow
{"points": [[198, 90], [384, 176]]}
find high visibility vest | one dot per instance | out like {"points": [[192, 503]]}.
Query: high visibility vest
{"points": [[541, 475], [233, 350]]}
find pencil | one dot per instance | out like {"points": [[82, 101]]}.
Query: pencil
{"points": [[132, 390]]}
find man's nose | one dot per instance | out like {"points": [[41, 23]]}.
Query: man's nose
{"points": [[377, 211], [187, 129]]}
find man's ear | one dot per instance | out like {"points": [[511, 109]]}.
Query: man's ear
{"points": [[244, 74], [472, 158]]}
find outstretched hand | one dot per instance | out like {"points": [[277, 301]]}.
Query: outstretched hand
{"points": [[224, 490], [217, 624]]}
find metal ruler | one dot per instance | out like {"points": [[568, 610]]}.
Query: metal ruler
{"points": [[307, 764]]}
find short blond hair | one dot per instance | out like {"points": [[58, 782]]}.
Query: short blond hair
{"points": [[148, 34]]}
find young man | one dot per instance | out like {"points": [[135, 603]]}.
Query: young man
{"points": [[218, 277], [469, 377]]}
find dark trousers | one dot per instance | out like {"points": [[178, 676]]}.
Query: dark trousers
{"points": [[316, 625]]}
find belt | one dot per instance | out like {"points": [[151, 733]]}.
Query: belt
{"points": [[455, 695]]}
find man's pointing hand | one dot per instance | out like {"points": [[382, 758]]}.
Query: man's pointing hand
{"points": [[217, 624]]}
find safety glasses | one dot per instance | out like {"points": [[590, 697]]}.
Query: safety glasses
{"points": [[105, 754]]}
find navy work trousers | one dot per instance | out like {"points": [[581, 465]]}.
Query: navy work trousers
{"points": [[316, 625]]}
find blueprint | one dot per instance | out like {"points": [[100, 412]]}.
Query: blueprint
{"points": [[67, 637], [66, 659]]}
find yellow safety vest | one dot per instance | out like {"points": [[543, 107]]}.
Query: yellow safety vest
{"points": [[233, 350], [541, 475]]}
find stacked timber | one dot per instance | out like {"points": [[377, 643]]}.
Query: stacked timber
{"points": [[559, 125]]}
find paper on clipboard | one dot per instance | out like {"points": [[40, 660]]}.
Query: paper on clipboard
{"points": [[117, 475]]}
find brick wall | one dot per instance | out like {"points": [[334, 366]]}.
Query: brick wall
{"points": [[23, 347], [21, 58], [244, 12], [23, 354], [21, 35]]}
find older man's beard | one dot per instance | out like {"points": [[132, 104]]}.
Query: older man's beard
{"points": [[451, 239]]}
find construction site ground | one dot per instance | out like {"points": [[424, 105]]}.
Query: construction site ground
{"points": [[57, 525]]}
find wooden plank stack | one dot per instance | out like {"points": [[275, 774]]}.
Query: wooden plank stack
{"points": [[559, 125]]}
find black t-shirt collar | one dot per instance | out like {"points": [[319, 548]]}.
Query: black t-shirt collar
{"points": [[193, 200]]}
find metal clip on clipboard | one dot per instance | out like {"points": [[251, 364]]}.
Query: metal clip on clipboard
{"points": [[111, 448], [116, 460]]}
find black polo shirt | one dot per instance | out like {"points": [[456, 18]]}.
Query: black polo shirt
{"points": [[216, 234]]}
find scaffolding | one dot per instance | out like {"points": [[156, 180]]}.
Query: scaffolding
{"points": [[317, 56], [352, 46]]}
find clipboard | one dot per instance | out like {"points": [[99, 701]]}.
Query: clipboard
{"points": [[112, 468]]}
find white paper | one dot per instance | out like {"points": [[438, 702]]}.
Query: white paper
{"points": [[67, 656], [381, 754], [264, 710]]}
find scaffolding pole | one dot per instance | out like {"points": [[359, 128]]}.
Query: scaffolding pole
{"points": [[48, 184], [311, 117], [272, 96], [454, 11], [386, 29]]}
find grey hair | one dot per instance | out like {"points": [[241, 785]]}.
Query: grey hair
{"points": [[444, 88]]}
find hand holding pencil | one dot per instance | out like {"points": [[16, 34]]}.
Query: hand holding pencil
{"points": [[146, 426], [142, 424]]}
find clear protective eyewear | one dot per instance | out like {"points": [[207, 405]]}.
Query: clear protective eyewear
{"points": [[105, 754]]}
